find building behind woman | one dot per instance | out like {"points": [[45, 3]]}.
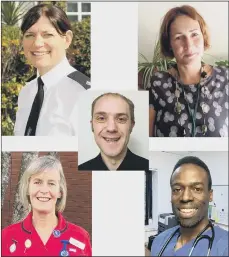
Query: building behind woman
{"points": [[47, 105], [44, 231], [191, 98]]}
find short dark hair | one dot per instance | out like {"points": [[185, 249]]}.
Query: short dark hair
{"points": [[56, 16], [170, 17], [193, 160]]}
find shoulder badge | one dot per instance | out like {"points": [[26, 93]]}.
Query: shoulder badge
{"points": [[82, 79]]}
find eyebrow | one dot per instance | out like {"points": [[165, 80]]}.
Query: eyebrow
{"points": [[105, 113], [49, 180], [192, 30], [190, 184], [43, 31]]}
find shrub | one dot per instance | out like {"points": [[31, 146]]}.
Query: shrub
{"points": [[15, 71], [12, 12], [79, 53], [13, 60], [224, 63], [10, 91]]}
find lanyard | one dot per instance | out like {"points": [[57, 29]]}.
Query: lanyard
{"points": [[192, 114]]}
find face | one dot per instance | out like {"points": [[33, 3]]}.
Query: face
{"points": [[112, 125], [43, 46], [44, 190], [190, 195], [186, 40]]}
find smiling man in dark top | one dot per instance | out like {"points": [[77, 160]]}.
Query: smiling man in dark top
{"points": [[112, 123]]}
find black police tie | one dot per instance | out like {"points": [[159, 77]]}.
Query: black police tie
{"points": [[35, 110]]}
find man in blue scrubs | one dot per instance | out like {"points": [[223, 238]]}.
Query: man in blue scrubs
{"points": [[190, 196]]}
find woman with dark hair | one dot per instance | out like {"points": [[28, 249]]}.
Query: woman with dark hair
{"points": [[191, 98], [44, 231], [47, 105]]}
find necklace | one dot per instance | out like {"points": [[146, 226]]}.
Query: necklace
{"points": [[201, 87]]}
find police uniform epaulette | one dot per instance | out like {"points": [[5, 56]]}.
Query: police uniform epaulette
{"points": [[31, 78], [82, 79]]}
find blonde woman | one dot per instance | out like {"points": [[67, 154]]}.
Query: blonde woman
{"points": [[44, 231]]}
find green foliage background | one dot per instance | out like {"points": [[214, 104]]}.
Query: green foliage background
{"points": [[16, 70]]}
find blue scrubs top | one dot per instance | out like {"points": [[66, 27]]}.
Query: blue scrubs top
{"points": [[219, 247]]}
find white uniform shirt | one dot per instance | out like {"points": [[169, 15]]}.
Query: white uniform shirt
{"points": [[58, 116]]}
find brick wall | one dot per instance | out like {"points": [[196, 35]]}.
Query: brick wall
{"points": [[79, 184]]}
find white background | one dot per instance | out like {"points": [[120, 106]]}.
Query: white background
{"points": [[139, 140], [215, 15], [114, 48], [118, 213]]}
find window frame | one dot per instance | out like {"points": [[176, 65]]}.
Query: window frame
{"points": [[79, 13]]}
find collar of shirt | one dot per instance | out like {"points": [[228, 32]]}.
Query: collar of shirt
{"points": [[186, 248], [120, 167], [52, 77], [27, 223]]}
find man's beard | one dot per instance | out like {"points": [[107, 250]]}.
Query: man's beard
{"points": [[189, 222]]}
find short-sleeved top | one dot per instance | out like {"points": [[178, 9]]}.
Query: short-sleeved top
{"points": [[58, 116], [219, 246], [22, 239], [168, 123]]}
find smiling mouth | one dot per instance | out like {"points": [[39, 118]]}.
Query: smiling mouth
{"points": [[111, 140], [190, 55], [187, 212], [40, 53], [43, 199]]}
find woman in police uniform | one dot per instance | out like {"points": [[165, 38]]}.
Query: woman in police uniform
{"points": [[47, 104], [44, 231]]}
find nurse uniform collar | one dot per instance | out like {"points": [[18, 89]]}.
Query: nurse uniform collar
{"points": [[199, 237], [27, 225]]}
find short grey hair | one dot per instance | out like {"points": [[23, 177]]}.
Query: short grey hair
{"points": [[37, 166]]}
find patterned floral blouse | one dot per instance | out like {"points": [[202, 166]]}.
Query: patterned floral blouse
{"points": [[169, 123]]}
